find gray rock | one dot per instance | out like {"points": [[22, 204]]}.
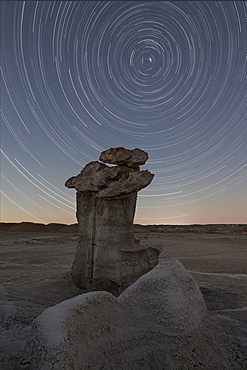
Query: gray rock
{"points": [[107, 255], [134, 182], [159, 322], [85, 181], [110, 182]]}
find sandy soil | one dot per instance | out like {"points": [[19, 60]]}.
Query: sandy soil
{"points": [[33, 266]]}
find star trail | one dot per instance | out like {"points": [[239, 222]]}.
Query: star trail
{"points": [[168, 77]]}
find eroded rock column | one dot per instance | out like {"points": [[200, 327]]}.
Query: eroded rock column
{"points": [[107, 255]]}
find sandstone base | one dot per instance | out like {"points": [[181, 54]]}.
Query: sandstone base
{"points": [[107, 254]]}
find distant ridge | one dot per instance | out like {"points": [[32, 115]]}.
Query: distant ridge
{"points": [[240, 229], [36, 227]]}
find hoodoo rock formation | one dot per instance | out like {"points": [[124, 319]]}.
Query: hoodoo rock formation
{"points": [[107, 255], [138, 319]]}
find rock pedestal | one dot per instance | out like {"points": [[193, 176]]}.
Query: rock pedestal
{"points": [[107, 255]]}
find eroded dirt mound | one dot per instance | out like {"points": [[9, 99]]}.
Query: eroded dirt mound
{"points": [[159, 322]]}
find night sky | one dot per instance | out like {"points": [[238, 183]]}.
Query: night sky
{"points": [[168, 77]]}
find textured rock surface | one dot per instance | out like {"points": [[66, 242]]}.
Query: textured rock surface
{"points": [[133, 183], [107, 255], [132, 158], [109, 182], [159, 322], [106, 252]]}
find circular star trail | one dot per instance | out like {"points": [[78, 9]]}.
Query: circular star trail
{"points": [[169, 77]]}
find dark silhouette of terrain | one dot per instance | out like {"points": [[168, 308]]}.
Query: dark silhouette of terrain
{"points": [[240, 229]]}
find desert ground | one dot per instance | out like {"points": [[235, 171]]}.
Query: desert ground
{"points": [[33, 277]]}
